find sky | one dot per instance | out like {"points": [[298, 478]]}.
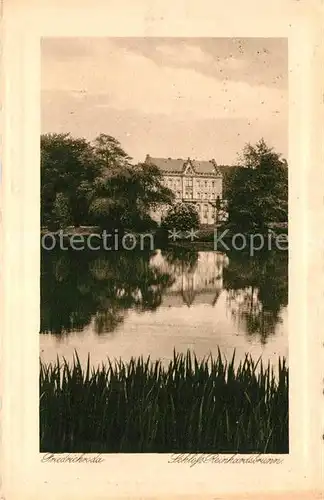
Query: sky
{"points": [[201, 98]]}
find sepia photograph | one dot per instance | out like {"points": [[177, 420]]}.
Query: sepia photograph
{"points": [[164, 245], [161, 254]]}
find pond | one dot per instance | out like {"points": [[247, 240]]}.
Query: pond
{"points": [[124, 304]]}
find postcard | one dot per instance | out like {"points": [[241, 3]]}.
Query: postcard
{"points": [[162, 200]]}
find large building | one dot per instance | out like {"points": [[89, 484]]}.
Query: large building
{"points": [[197, 182]]}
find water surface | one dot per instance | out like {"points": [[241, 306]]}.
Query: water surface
{"points": [[124, 304]]}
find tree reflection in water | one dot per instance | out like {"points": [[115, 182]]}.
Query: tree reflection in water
{"points": [[98, 288], [257, 290], [78, 287], [183, 260]]}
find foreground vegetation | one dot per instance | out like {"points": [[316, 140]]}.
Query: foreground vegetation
{"points": [[141, 406]]}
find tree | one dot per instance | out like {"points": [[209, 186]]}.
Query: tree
{"points": [[68, 167], [124, 197], [258, 190], [109, 153], [182, 217], [61, 211], [85, 183]]}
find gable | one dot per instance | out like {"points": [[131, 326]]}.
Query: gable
{"points": [[188, 168]]}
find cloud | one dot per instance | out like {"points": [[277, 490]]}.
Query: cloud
{"points": [[189, 54], [130, 81], [185, 54], [167, 97], [232, 63]]}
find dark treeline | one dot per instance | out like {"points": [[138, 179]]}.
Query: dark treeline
{"points": [[94, 183], [257, 190], [87, 183]]}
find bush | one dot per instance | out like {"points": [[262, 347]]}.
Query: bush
{"points": [[182, 217]]}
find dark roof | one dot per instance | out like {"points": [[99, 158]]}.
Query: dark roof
{"points": [[166, 164], [172, 165], [205, 167]]}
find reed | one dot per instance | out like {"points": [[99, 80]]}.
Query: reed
{"points": [[193, 406]]}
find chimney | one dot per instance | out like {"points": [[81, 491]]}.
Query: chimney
{"points": [[147, 159]]}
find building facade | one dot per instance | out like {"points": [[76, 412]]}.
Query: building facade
{"points": [[199, 183]]}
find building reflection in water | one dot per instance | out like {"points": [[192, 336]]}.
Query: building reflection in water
{"points": [[78, 290], [198, 276], [255, 290]]}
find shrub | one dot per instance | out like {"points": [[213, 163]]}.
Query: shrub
{"points": [[182, 217]]}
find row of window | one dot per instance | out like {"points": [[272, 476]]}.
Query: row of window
{"points": [[200, 196], [207, 196], [189, 182], [206, 184]]}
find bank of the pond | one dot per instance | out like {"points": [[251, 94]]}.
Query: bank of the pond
{"points": [[202, 406]]}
